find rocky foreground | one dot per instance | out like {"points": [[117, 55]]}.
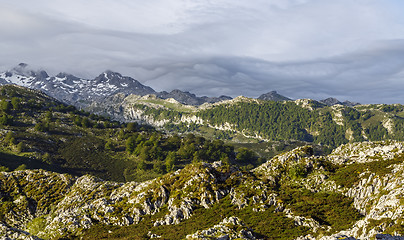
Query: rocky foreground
{"points": [[356, 192]]}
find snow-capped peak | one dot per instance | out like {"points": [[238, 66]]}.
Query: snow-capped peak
{"points": [[70, 88]]}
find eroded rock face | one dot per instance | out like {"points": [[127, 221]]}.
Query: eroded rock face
{"points": [[229, 228], [366, 152]]}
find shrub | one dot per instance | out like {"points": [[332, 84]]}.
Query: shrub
{"points": [[297, 171], [130, 144], [158, 167], [47, 158], [131, 127], [332, 209], [5, 105], [109, 145], [8, 137], [16, 102], [85, 122], [4, 169], [6, 119], [48, 116], [36, 225], [141, 165], [21, 167], [20, 147], [170, 161], [42, 127], [245, 155]]}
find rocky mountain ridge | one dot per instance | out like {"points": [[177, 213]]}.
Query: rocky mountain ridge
{"points": [[333, 101], [81, 92], [49, 205]]}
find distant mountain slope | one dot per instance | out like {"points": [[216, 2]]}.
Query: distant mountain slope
{"points": [[190, 98], [273, 96], [333, 101]]}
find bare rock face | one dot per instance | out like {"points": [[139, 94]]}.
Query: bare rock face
{"points": [[229, 228], [362, 152]]}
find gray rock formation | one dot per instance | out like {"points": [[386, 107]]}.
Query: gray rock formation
{"points": [[333, 101], [225, 230], [273, 96], [190, 98]]}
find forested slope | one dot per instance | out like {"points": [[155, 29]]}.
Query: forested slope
{"points": [[302, 120]]}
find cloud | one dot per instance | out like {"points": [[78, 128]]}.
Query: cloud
{"points": [[302, 48], [368, 76]]}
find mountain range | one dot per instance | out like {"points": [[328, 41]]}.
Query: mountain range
{"points": [[74, 90], [80, 92]]}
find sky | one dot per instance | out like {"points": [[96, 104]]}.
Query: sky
{"points": [[349, 49]]}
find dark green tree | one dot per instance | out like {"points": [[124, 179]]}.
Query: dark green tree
{"points": [[6, 119], [42, 127], [5, 106], [130, 144], [48, 116], [20, 147], [77, 120], [131, 127], [8, 136], [109, 145], [245, 155], [16, 102], [171, 161], [85, 122], [47, 158]]}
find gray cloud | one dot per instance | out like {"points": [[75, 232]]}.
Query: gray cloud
{"points": [[302, 48]]}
